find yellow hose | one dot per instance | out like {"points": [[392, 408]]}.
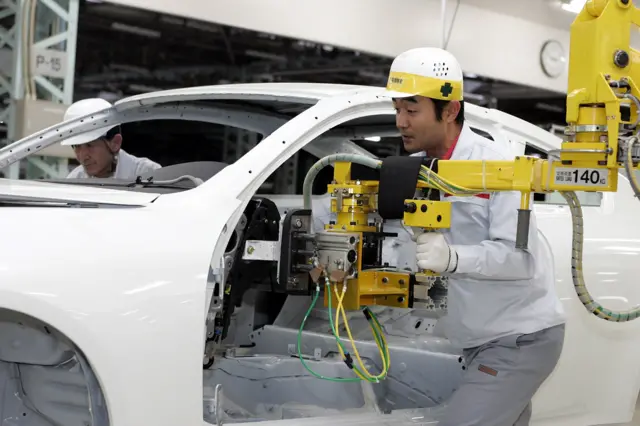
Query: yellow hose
{"points": [[340, 310]]}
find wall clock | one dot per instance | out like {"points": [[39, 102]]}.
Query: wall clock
{"points": [[553, 58]]}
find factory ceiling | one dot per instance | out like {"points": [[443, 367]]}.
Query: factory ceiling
{"points": [[123, 51]]}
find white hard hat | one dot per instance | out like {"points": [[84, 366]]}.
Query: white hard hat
{"points": [[80, 109], [426, 71]]}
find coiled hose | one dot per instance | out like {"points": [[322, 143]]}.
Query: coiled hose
{"points": [[576, 249], [576, 268], [576, 256]]}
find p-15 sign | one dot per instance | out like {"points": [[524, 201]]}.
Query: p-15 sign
{"points": [[49, 63]]}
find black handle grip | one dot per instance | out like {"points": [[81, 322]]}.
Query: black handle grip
{"points": [[522, 232]]}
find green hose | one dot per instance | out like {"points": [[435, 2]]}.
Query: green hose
{"points": [[304, 363], [377, 337]]}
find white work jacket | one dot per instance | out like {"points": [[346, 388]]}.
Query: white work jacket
{"points": [[129, 167], [496, 289]]}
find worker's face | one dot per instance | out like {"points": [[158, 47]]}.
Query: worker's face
{"points": [[97, 156], [418, 125]]}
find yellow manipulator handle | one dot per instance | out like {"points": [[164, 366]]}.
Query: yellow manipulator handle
{"points": [[426, 216]]}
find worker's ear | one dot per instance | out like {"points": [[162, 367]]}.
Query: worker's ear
{"points": [[452, 110], [115, 143]]}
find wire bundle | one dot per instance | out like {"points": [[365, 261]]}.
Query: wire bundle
{"points": [[438, 182], [359, 370]]}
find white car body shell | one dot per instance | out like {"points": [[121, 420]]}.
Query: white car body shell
{"points": [[128, 284]]}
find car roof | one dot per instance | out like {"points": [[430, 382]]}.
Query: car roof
{"points": [[307, 93]]}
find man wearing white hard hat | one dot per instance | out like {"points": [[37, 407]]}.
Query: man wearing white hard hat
{"points": [[503, 311], [99, 151]]}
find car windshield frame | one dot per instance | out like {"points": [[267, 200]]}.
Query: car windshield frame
{"points": [[245, 110]]}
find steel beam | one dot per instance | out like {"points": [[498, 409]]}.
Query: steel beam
{"points": [[38, 48]]}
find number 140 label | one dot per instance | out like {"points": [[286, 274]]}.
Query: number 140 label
{"points": [[581, 177]]}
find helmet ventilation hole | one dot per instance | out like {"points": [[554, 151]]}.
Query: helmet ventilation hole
{"points": [[440, 69]]}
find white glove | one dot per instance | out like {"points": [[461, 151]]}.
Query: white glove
{"points": [[434, 254]]}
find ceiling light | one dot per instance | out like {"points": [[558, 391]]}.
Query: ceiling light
{"points": [[574, 6]]}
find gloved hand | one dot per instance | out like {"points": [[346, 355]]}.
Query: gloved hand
{"points": [[434, 254]]}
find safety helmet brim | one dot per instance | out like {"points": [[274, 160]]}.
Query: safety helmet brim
{"points": [[393, 94], [86, 137]]}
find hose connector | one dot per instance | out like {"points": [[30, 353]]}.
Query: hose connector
{"points": [[348, 360]]}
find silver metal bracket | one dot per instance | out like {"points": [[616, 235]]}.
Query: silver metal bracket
{"points": [[261, 250]]}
